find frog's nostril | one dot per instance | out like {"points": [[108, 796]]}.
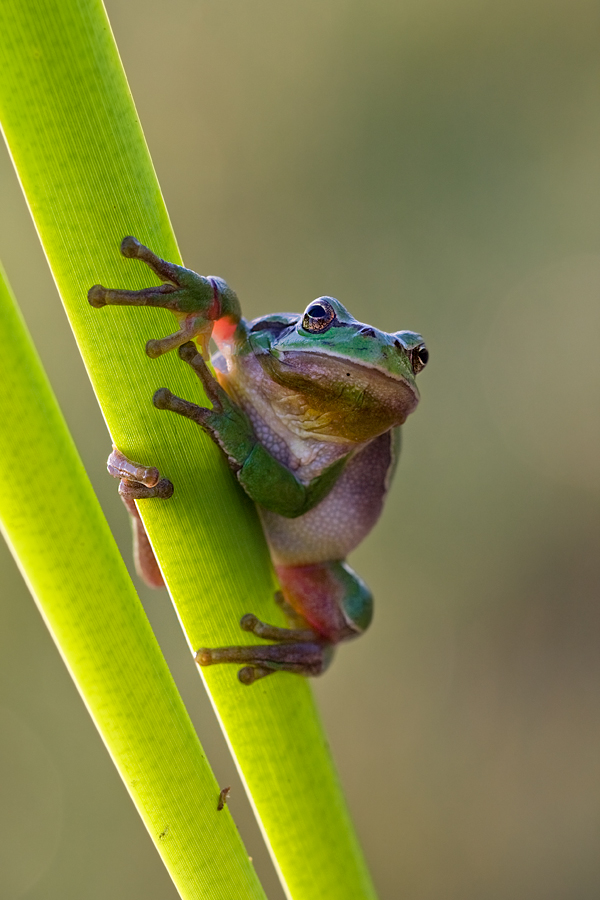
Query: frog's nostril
{"points": [[368, 332]]}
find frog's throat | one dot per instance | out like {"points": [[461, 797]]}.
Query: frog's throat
{"points": [[329, 397]]}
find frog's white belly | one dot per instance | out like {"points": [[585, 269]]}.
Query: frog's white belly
{"points": [[336, 525]]}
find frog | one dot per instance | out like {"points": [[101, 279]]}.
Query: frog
{"points": [[307, 409]]}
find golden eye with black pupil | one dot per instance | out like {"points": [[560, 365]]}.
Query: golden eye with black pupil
{"points": [[318, 317], [420, 358]]}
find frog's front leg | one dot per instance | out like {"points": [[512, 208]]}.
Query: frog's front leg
{"points": [[138, 482], [197, 302], [266, 481]]}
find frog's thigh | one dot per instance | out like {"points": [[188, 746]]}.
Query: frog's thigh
{"points": [[330, 596]]}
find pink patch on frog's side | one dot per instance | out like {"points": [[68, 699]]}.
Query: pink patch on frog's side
{"points": [[224, 330], [316, 594]]}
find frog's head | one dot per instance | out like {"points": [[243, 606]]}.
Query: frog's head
{"points": [[350, 380]]}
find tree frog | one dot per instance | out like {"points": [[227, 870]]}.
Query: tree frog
{"points": [[306, 408]]}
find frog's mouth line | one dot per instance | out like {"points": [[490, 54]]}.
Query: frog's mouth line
{"points": [[336, 363], [284, 356]]}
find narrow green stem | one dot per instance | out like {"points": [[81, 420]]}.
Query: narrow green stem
{"points": [[56, 530], [75, 139]]}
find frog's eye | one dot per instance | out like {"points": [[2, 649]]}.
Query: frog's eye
{"points": [[318, 317], [420, 358]]}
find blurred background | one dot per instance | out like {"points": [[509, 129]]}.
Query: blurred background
{"points": [[435, 164]]}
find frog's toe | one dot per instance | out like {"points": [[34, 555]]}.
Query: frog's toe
{"points": [[162, 398], [249, 674], [154, 348], [249, 622], [131, 247], [131, 490], [120, 466], [188, 351], [97, 296]]}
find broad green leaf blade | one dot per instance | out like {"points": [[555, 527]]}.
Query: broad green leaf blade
{"points": [[73, 134], [56, 530]]}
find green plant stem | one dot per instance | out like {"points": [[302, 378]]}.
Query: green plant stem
{"points": [[56, 530], [76, 142]]}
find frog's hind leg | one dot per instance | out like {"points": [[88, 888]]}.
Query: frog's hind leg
{"points": [[329, 597], [326, 601], [138, 482], [299, 650]]}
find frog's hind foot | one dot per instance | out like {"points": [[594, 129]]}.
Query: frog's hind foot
{"points": [[299, 650], [138, 482]]}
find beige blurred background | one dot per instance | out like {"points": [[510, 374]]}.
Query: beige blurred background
{"points": [[435, 164]]}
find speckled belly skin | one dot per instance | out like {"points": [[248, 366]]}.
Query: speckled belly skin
{"points": [[340, 522]]}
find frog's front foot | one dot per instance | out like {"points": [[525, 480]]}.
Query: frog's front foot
{"points": [[138, 482], [196, 301], [298, 650]]}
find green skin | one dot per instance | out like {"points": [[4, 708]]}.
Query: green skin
{"points": [[307, 410]]}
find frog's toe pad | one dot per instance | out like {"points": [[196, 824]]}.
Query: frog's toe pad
{"points": [[130, 247], [97, 296], [163, 398], [188, 351]]}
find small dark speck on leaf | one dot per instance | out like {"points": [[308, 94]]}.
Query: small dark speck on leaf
{"points": [[223, 798]]}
